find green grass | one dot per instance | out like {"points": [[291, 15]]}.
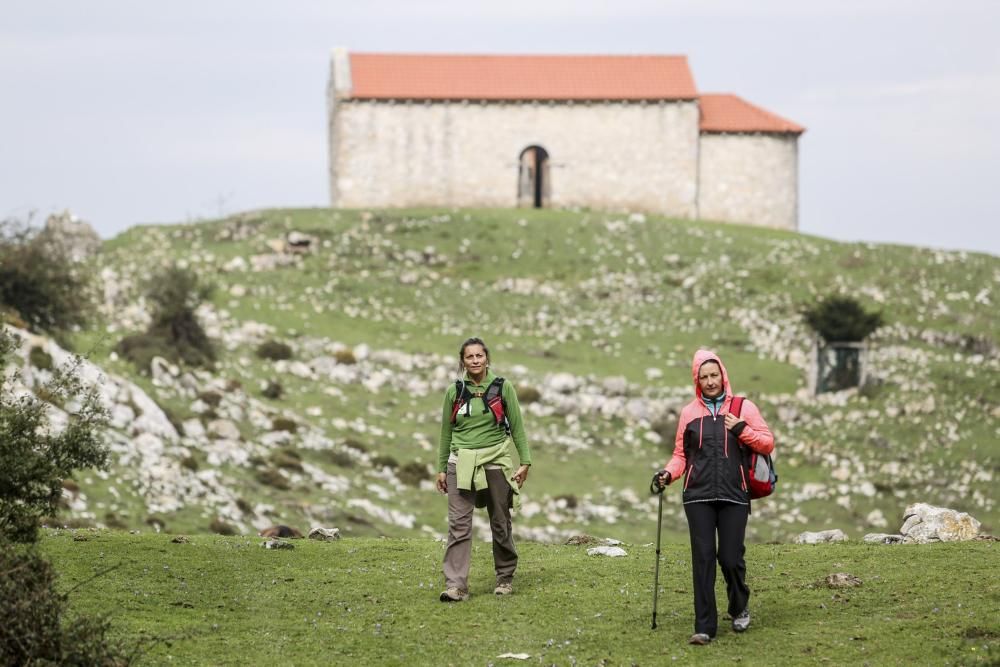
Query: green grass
{"points": [[227, 601]]}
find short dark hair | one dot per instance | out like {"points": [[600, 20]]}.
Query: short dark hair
{"points": [[471, 341]]}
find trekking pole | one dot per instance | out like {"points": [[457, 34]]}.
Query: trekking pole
{"points": [[656, 576]]}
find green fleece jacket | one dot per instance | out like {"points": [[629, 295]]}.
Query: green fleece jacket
{"points": [[474, 429]]}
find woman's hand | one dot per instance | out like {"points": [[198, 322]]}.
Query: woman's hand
{"points": [[521, 476], [732, 420], [442, 482]]}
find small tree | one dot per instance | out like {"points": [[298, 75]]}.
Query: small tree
{"points": [[35, 458], [34, 629], [38, 282], [843, 324], [840, 319], [174, 333]]}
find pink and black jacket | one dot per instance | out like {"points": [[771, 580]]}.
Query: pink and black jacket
{"points": [[713, 460]]}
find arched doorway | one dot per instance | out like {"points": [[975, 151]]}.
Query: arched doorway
{"points": [[533, 178]]}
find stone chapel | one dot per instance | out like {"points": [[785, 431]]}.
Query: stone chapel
{"points": [[609, 132]]}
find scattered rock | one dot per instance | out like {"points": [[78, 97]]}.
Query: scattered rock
{"points": [[842, 580], [281, 530], [326, 534], [277, 544], [823, 536], [882, 538], [923, 523], [613, 552], [181, 539]]}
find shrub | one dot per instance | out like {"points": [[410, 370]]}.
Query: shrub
{"points": [[287, 458], [39, 281], [174, 333], [412, 473], [527, 394], [212, 398], [244, 506], [36, 460], [40, 359], [272, 390], [274, 350], [384, 461], [340, 459], [190, 463], [839, 319], [345, 356], [220, 527], [33, 625], [273, 478], [356, 445], [284, 424]]}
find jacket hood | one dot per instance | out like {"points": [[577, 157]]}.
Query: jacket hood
{"points": [[700, 357]]}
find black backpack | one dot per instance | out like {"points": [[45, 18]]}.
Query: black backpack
{"points": [[492, 399]]}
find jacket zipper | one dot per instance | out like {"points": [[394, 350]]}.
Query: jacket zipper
{"points": [[689, 476]]}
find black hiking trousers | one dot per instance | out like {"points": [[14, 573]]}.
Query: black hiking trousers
{"points": [[729, 520]]}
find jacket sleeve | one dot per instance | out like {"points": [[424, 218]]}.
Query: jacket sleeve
{"points": [[444, 443], [754, 432], [513, 411], [678, 462]]}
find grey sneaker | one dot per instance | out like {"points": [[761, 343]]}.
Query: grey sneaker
{"points": [[742, 622], [504, 589], [454, 595], [699, 638]]}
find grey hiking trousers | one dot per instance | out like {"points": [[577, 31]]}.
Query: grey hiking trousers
{"points": [[461, 505]]}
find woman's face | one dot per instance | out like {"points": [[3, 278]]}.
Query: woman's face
{"points": [[474, 359], [710, 379]]}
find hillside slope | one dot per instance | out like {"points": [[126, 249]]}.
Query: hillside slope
{"points": [[599, 313]]}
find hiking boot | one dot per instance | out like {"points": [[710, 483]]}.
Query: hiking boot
{"points": [[504, 589], [742, 622], [454, 595], [699, 638]]}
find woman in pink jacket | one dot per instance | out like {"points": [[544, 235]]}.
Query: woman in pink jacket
{"points": [[712, 453]]}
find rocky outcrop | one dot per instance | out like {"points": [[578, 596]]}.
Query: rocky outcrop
{"points": [[923, 523]]}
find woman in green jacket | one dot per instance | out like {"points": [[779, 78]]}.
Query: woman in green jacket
{"points": [[475, 467]]}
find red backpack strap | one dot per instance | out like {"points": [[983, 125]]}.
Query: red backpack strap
{"points": [[461, 398], [736, 406], [494, 402]]}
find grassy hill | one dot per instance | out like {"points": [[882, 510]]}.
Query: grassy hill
{"points": [[366, 601], [598, 312]]}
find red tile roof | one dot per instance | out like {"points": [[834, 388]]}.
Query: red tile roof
{"points": [[723, 112], [520, 77]]}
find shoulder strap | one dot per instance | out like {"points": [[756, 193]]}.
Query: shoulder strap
{"points": [[461, 397], [736, 406]]}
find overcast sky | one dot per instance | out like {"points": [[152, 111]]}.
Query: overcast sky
{"points": [[133, 112]]}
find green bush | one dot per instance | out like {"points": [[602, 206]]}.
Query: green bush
{"points": [[272, 390], [345, 356], [221, 527], [839, 319], [384, 461], [528, 394], [284, 424], [39, 282], [274, 350], [273, 478], [40, 359], [36, 460], [412, 473], [33, 625], [174, 333]]}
